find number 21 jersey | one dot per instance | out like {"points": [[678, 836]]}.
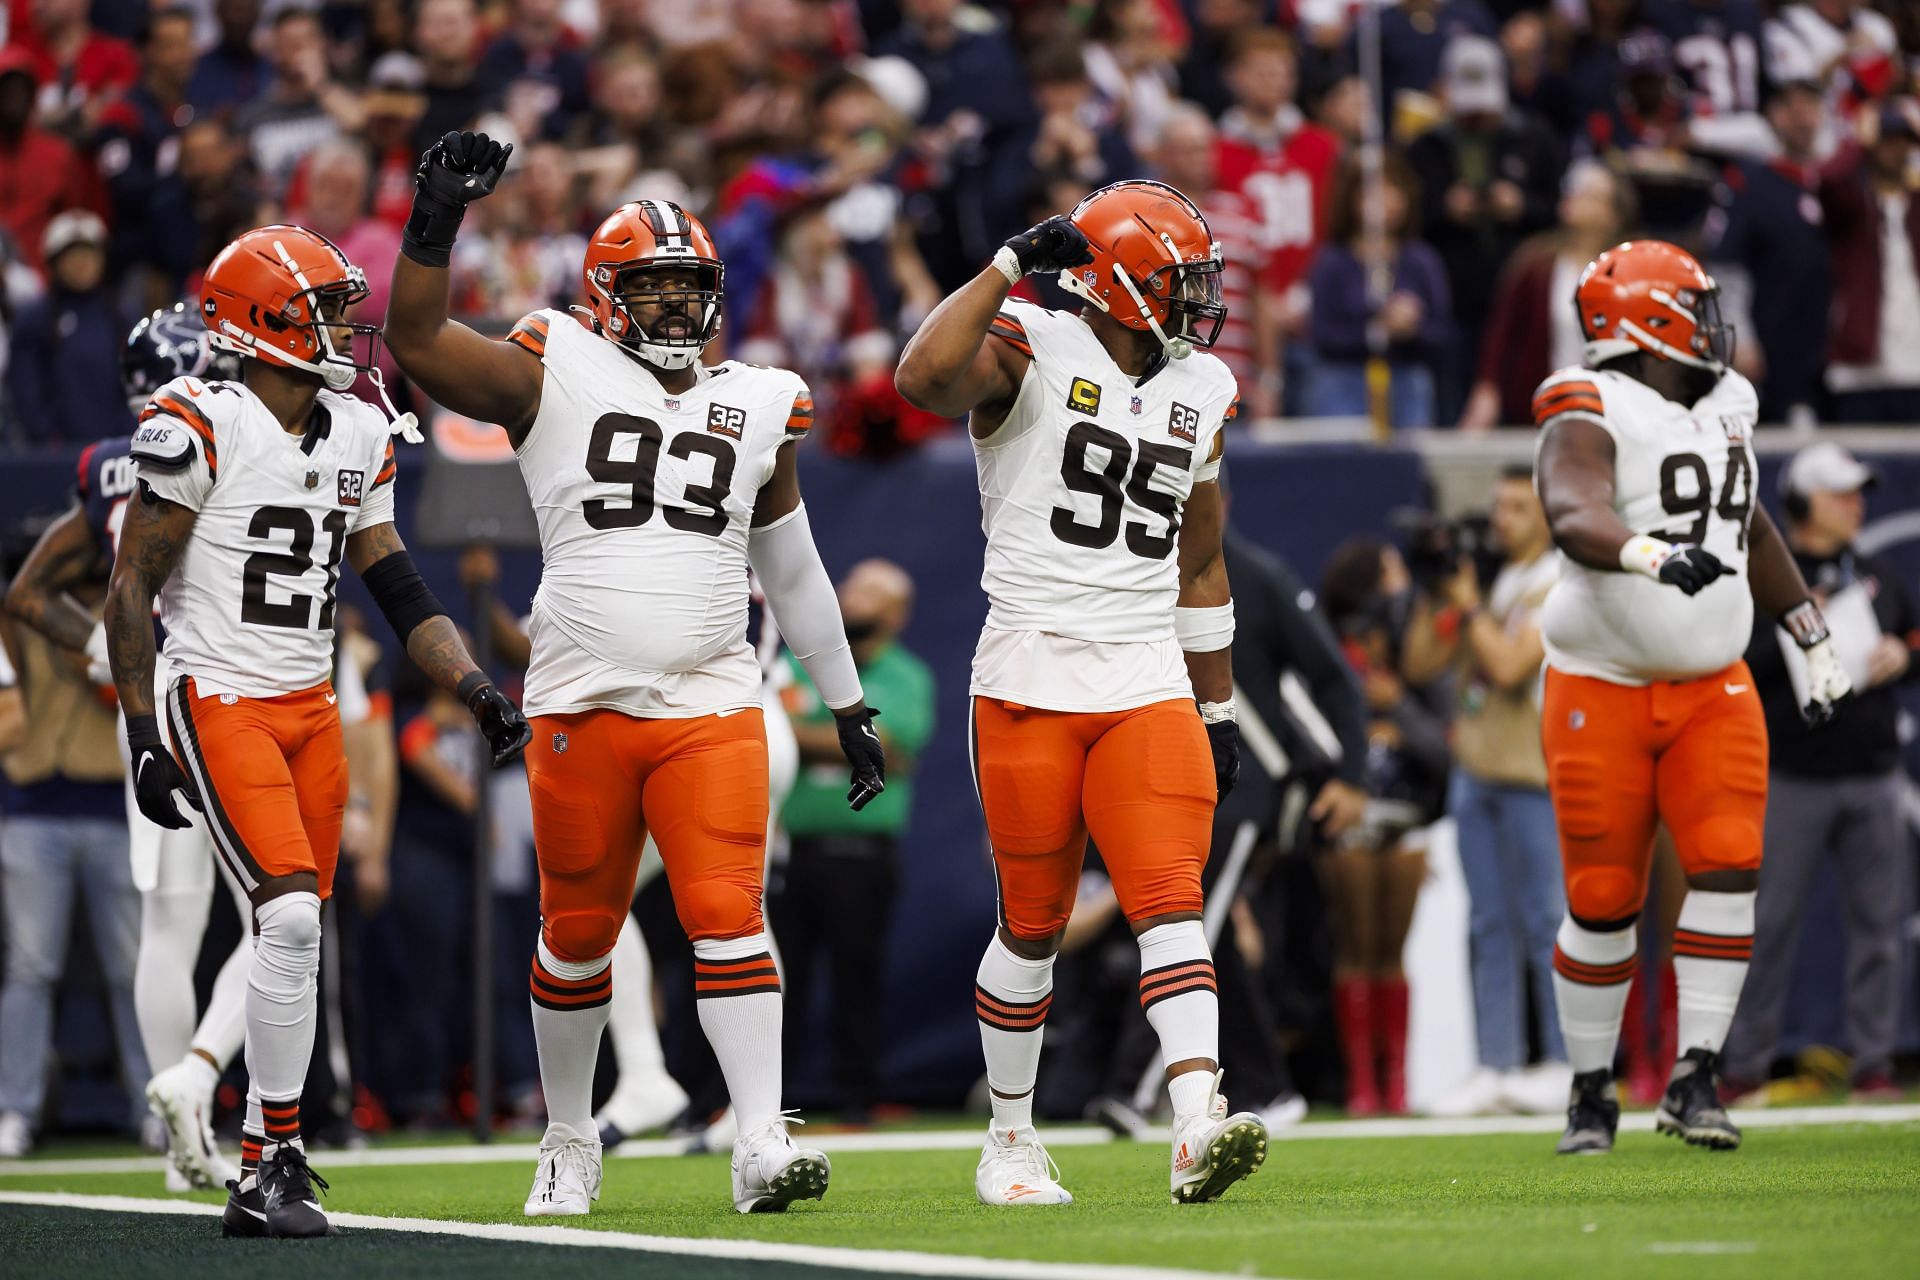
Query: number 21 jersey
{"points": [[1683, 475], [1082, 489], [248, 609]]}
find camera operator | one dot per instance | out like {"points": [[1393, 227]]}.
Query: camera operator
{"points": [[1508, 851]]}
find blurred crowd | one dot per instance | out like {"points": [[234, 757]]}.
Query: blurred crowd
{"points": [[858, 158]]}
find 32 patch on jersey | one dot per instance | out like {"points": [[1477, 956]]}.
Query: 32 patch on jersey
{"points": [[1184, 423], [352, 485], [1084, 396], [723, 420]]}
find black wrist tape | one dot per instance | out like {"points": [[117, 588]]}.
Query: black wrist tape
{"points": [[430, 230], [405, 599], [144, 731]]}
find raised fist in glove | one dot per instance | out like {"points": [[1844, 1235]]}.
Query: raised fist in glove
{"points": [[457, 170], [861, 745], [505, 728], [160, 787], [1053, 246]]}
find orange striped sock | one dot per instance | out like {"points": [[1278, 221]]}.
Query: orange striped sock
{"points": [[1178, 991]]}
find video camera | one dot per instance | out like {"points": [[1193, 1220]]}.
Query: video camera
{"points": [[1435, 546]]}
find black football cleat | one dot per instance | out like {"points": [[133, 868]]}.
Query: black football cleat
{"points": [[1691, 1107], [1593, 1114], [246, 1216], [287, 1198]]}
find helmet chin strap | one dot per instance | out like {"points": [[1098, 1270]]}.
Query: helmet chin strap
{"points": [[335, 375]]}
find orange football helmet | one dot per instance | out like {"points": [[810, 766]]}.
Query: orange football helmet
{"points": [[1651, 296], [262, 297], [1156, 265], [651, 236]]}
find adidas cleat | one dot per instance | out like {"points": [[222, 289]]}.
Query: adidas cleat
{"points": [[1016, 1169], [770, 1173], [1214, 1150], [567, 1181]]}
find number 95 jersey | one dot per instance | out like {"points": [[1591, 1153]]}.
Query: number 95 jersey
{"points": [[1683, 475], [248, 609], [1082, 489], [644, 500]]}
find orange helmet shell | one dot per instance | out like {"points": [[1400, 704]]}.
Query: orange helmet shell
{"points": [[260, 297], [1155, 263], [652, 233], [1648, 295]]}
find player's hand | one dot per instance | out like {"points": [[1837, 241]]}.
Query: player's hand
{"points": [[505, 728], [99, 669], [1692, 569], [160, 786], [861, 745], [1337, 808], [1224, 737], [1828, 684], [462, 167], [1052, 246]]}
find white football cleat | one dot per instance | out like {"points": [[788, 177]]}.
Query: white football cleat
{"points": [[1016, 1169], [770, 1173], [567, 1181], [181, 1098], [640, 1104], [1214, 1150]]}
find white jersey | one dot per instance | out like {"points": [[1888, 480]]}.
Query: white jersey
{"points": [[644, 500], [1081, 494], [248, 610], [1683, 475]]}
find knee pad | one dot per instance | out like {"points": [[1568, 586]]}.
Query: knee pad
{"points": [[1605, 894], [1726, 842], [1168, 888], [581, 936], [714, 908], [290, 922]]}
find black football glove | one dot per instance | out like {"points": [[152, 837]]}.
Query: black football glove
{"points": [[455, 171], [505, 728], [159, 783], [1224, 737], [861, 745], [1691, 569], [1054, 245]]}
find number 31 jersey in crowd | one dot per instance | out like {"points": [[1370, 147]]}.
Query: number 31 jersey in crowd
{"points": [[644, 500], [1683, 475], [248, 609], [1082, 488]]}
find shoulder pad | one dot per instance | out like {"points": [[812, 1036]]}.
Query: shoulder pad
{"points": [[1568, 391], [181, 406], [531, 333], [164, 442], [1011, 328]]}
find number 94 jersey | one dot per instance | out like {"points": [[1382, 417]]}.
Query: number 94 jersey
{"points": [[1683, 475], [644, 500], [1082, 489], [248, 609]]}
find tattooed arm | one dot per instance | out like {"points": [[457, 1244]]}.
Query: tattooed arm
{"points": [[151, 543], [65, 557]]}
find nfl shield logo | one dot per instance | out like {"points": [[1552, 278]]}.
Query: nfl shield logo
{"points": [[673, 402], [1577, 720], [1138, 407], [559, 744]]}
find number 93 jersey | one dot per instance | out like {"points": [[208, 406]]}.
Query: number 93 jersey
{"points": [[1082, 489], [644, 500], [1683, 475], [248, 609]]}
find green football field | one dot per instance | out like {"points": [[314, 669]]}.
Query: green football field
{"points": [[1818, 1199]]}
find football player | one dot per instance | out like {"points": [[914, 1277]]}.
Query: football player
{"points": [[173, 870], [657, 481], [251, 492], [1649, 713], [1098, 438]]}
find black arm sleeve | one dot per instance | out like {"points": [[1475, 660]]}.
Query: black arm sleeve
{"points": [[396, 586], [1312, 651]]}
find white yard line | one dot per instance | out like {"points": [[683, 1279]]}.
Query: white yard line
{"points": [[1703, 1246], [968, 1139], [885, 1261]]}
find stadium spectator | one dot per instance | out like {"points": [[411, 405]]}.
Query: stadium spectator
{"points": [[64, 377], [1415, 36], [395, 101], [1219, 26], [537, 57], [446, 35], [1509, 848], [1489, 178], [1873, 226], [79, 68], [1852, 52], [831, 905], [525, 252], [136, 130], [1834, 791], [1130, 61], [1372, 876], [201, 206], [1076, 134], [233, 72], [41, 172], [13, 709], [1416, 315], [303, 105], [1641, 125], [64, 838], [1535, 84], [1531, 329]]}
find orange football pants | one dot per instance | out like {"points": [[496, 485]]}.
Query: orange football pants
{"points": [[1621, 760], [1140, 782], [272, 775], [601, 780]]}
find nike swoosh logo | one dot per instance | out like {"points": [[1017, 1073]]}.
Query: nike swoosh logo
{"points": [[334, 697], [1736, 688]]}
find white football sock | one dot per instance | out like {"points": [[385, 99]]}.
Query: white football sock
{"points": [[1180, 996], [737, 989], [630, 1024], [171, 922], [223, 1026], [1011, 995], [281, 1003], [1712, 946], [570, 1004], [1592, 973]]}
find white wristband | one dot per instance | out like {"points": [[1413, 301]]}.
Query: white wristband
{"points": [[1215, 712], [1645, 555], [1008, 265], [1204, 630]]}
